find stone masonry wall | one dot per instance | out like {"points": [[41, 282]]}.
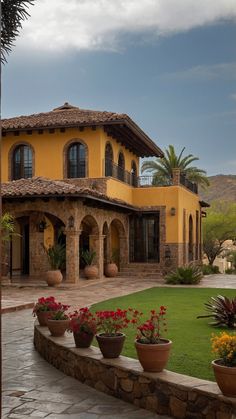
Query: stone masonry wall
{"points": [[165, 393]]}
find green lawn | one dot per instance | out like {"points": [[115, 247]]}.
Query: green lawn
{"points": [[191, 350]]}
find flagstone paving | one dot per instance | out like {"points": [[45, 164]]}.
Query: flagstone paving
{"points": [[88, 292], [33, 388]]}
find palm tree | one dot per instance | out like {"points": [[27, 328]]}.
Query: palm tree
{"points": [[162, 169], [13, 13]]}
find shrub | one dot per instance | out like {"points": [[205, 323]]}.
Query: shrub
{"points": [[222, 310], [190, 274], [230, 271], [210, 269]]}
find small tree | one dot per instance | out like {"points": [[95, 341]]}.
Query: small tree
{"points": [[219, 226]]}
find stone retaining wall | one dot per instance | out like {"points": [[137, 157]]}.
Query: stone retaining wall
{"points": [[166, 393]]}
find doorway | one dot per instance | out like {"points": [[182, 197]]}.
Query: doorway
{"points": [[144, 236]]}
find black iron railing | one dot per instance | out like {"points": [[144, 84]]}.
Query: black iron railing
{"points": [[188, 184], [112, 169]]}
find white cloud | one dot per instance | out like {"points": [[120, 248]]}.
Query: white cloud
{"points": [[57, 25], [225, 71]]}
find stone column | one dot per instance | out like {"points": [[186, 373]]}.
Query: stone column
{"points": [[176, 176], [97, 246], [72, 255]]}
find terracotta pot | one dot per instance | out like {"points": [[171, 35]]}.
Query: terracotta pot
{"points": [[153, 357], [111, 270], [111, 346], [225, 378], [53, 278], [58, 327], [83, 339], [43, 317], [91, 272]]}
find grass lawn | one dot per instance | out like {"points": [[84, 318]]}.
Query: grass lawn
{"points": [[191, 350]]}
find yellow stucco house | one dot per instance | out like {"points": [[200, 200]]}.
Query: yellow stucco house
{"points": [[72, 175]]}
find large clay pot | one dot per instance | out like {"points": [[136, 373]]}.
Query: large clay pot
{"points": [[111, 346], [111, 270], [83, 339], [43, 317], [153, 357], [58, 327], [54, 278], [91, 272], [225, 378]]}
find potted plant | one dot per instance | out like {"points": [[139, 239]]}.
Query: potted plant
{"points": [[90, 270], [111, 268], [56, 255], [44, 308], [83, 325], [224, 367], [58, 320], [153, 350], [110, 325]]}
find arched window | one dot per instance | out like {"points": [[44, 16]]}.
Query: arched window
{"points": [[121, 167], [76, 161], [190, 241], [134, 174], [108, 160], [22, 162]]}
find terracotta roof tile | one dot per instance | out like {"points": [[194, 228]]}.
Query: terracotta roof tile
{"points": [[66, 115], [41, 186]]}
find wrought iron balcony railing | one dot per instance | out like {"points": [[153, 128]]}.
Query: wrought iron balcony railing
{"points": [[113, 170]]}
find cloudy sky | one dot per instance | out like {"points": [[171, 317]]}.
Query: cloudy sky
{"points": [[169, 64]]}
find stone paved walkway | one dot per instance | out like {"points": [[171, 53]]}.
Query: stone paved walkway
{"points": [[33, 388], [90, 292]]}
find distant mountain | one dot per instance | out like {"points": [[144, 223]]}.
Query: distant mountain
{"points": [[222, 187]]}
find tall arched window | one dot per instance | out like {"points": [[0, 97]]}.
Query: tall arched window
{"points": [[121, 166], [76, 161], [108, 160], [22, 162], [190, 241], [134, 174]]}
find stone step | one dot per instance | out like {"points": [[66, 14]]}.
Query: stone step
{"points": [[156, 275]]}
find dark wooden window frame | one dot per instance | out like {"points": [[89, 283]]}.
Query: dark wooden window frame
{"points": [[66, 150], [11, 160]]}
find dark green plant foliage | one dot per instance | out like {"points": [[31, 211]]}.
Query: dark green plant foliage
{"points": [[222, 310], [230, 271], [56, 256], [210, 269], [88, 256], [190, 274], [13, 13]]}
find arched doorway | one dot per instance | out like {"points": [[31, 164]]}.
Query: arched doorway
{"points": [[190, 241], [134, 174], [34, 231], [89, 233], [118, 242], [108, 160], [121, 166]]}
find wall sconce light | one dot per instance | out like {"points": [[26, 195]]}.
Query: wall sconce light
{"points": [[71, 222], [42, 225], [172, 211]]}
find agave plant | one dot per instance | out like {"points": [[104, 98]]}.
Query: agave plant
{"points": [[190, 274], [222, 310]]}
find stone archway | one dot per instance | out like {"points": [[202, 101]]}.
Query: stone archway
{"points": [[106, 251], [118, 242], [91, 240], [35, 230]]}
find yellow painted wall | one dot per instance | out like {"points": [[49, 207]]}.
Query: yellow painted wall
{"points": [[48, 151], [171, 197]]}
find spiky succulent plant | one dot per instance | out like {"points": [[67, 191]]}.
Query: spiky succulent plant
{"points": [[223, 310]]}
